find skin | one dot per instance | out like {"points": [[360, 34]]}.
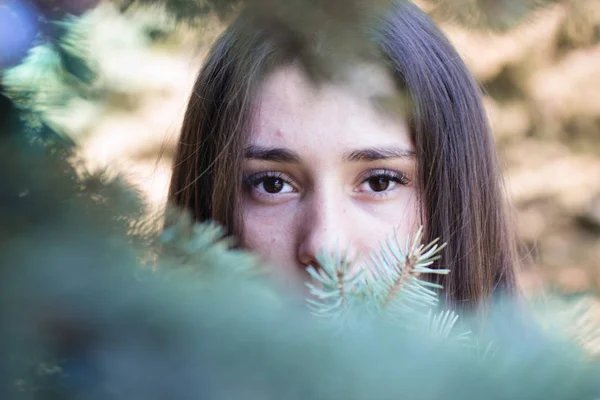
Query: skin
{"points": [[326, 169]]}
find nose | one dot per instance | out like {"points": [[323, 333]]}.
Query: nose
{"points": [[324, 223]]}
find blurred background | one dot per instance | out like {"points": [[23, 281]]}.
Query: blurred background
{"points": [[129, 68]]}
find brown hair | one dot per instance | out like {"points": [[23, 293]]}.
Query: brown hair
{"points": [[458, 173]]}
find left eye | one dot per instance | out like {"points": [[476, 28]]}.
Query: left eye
{"points": [[381, 181]]}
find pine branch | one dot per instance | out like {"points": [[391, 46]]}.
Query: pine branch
{"points": [[396, 274], [387, 285], [335, 285], [442, 325], [400, 281]]}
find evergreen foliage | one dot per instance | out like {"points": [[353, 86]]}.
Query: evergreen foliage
{"points": [[391, 284], [58, 67], [98, 302], [85, 315]]}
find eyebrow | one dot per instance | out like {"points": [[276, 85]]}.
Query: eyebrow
{"points": [[377, 153], [271, 154], [282, 155]]}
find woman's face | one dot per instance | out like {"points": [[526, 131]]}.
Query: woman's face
{"points": [[326, 170]]}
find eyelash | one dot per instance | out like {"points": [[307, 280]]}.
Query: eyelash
{"points": [[251, 181], [393, 176]]}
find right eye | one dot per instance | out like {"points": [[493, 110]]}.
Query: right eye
{"points": [[269, 184], [273, 184]]}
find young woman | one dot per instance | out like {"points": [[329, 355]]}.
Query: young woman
{"points": [[292, 166]]}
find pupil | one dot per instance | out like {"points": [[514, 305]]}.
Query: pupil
{"points": [[273, 185], [379, 184]]}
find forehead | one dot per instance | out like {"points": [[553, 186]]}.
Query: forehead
{"points": [[345, 113]]}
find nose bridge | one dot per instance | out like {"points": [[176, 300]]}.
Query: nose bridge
{"points": [[324, 225]]}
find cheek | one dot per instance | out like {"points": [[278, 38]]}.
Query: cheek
{"points": [[406, 220], [400, 215], [269, 232]]}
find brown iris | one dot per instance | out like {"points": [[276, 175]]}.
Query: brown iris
{"points": [[379, 183], [273, 184]]}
